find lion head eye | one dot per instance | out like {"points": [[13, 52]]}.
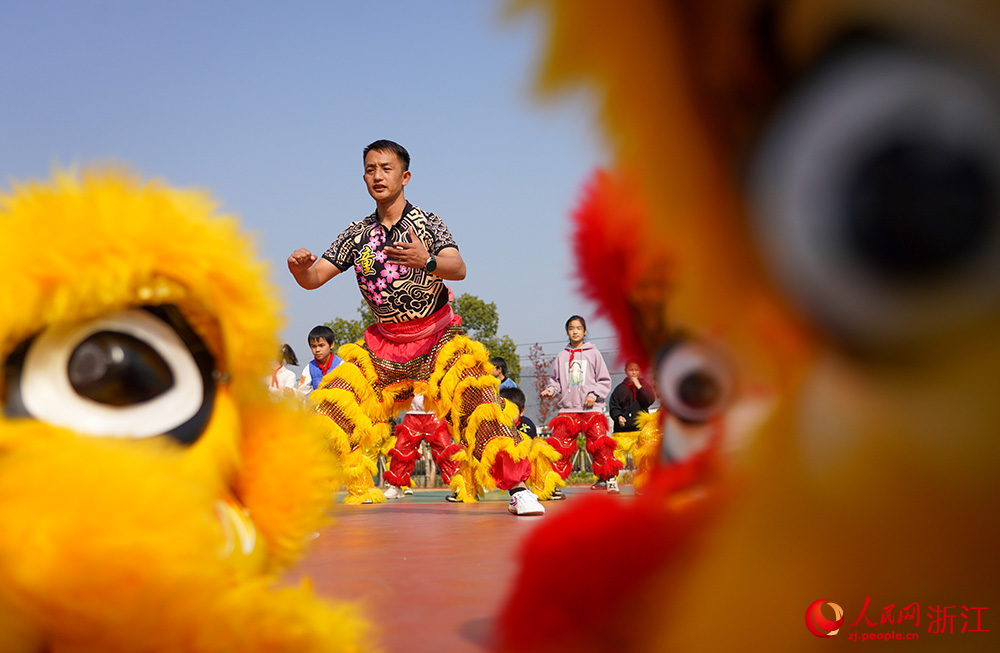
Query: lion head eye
{"points": [[134, 374], [118, 369], [695, 381], [875, 194]]}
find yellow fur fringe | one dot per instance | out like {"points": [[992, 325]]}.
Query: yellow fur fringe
{"points": [[464, 488], [625, 444], [482, 467], [460, 367], [647, 448], [359, 468], [490, 413], [457, 354], [544, 479]]}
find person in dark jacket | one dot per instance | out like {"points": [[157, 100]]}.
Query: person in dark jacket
{"points": [[628, 398]]}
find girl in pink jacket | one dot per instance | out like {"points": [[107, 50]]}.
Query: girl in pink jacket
{"points": [[581, 380]]}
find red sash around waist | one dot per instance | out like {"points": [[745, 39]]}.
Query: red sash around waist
{"points": [[405, 341]]}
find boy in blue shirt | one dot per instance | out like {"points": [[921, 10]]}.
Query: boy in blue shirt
{"points": [[324, 360], [500, 372]]}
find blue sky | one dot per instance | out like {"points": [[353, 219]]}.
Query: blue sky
{"points": [[269, 105]]}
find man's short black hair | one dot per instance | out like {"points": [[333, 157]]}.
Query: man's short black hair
{"points": [[321, 332], [384, 145], [515, 396], [500, 364]]}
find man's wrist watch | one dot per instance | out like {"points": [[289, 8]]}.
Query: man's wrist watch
{"points": [[431, 263]]}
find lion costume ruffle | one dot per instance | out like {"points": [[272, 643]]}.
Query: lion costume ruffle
{"points": [[460, 389]]}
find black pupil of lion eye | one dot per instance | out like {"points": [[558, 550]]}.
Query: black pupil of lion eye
{"points": [[917, 209], [699, 390], [118, 370]]}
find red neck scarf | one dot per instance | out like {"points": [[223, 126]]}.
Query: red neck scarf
{"points": [[325, 367], [573, 353]]}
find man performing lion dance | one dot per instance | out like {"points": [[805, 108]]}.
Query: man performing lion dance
{"points": [[401, 256]]}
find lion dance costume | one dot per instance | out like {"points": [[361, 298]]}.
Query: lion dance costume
{"points": [[419, 426], [822, 211], [408, 353], [150, 490]]}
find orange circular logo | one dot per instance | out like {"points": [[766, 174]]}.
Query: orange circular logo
{"points": [[819, 625]]}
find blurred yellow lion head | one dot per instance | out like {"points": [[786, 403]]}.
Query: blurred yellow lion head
{"points": [[148, 486]]}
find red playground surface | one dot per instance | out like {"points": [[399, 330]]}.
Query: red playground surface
{"points": [[429, 574]]}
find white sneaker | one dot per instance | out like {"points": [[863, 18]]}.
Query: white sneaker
{"points": [[407, 491], [613, 486], [393, 493], [525, 503]]}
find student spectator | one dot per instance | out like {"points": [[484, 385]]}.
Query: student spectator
{"points": [[500, 372], [581, 380], [629, 398], [282, 381], [321, 343], [515, 395]]}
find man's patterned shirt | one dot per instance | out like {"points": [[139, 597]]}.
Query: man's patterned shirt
{"points": [[395, 293]]}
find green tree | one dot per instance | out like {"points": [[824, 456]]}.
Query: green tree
{"points": [[479, 318], [481, 321]]}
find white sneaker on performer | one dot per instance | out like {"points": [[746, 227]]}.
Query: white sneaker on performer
{"points": [[393, 493], [613, 486], [407, 491], [525, 503]]}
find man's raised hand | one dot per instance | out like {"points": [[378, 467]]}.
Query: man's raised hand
{"points": [[410, 253], [300, 260]]}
